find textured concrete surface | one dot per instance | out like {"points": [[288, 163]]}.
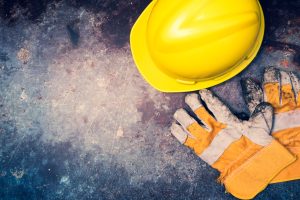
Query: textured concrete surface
{"points": [[77, 121]]}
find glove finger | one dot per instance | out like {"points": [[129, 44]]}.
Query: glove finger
{"points": [[288, 101], [261, 120], [271, 86], [296, 86], [182, 136], [179, 133], [252, 93], [193, 102], [219, 110], [190, 125]]}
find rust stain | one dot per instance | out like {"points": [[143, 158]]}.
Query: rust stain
{"points": [[69, 71], [23, 55], [160, 116], [285, 63], [147, 109], [287, 47], [270, 49], [85, 119]]}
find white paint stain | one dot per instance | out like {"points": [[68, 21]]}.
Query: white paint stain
{"points": [[120, 132], [18, 174], [23, 95], [65, 180]]}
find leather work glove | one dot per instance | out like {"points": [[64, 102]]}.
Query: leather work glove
{"points": [[247, 162], [282, 90]]}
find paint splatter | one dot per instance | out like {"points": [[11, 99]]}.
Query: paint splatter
{"points": [[18, 174]]}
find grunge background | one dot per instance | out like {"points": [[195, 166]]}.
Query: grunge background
{"points": [[77, 121]]}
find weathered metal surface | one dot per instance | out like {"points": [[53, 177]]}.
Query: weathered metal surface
{"points": [[77, 121]]}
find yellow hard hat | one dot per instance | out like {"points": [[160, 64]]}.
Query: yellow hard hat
{"points": [[181, 45]]}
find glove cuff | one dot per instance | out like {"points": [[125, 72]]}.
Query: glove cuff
{"points": [[289, 138], [255, 174]]}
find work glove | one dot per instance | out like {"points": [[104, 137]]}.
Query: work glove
{"points": [[244, 153], [282, 90]]}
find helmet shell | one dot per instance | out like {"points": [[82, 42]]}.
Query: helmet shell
{"points": [[188, 45]]}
